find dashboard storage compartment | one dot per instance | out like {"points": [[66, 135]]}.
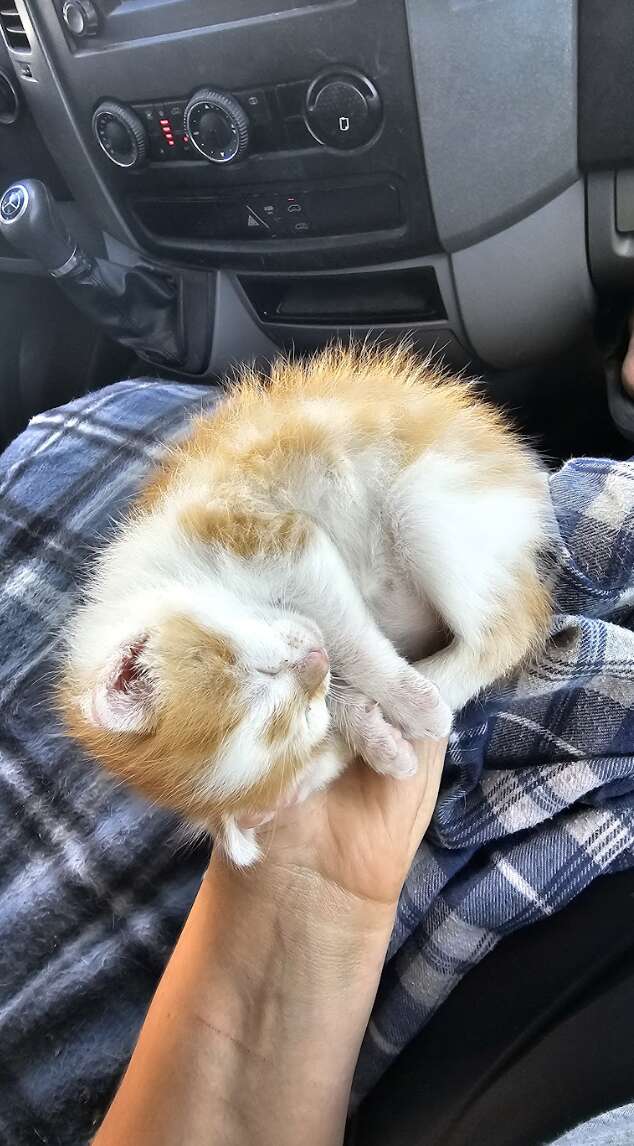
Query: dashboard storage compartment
{"points": [[382, 297]]}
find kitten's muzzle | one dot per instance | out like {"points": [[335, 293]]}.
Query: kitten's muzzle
{"points": [[312, 670]]}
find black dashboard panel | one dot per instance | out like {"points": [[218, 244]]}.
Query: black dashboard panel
{"points": [[242, 147], [337, 72], [606, 83], [124, 21]]}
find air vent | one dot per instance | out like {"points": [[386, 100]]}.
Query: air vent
{"points": [[13, 28]]}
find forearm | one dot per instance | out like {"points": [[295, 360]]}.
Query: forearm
{"points": [[254, 1032]]}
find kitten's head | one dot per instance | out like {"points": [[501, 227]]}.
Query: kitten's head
{"points": [[205, 705]]}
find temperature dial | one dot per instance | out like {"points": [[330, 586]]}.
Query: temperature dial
{"points": [[120, 134], [217, 126]]}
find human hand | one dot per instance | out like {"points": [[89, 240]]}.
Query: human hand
{"points": [[254, 1032], [353, 842]]}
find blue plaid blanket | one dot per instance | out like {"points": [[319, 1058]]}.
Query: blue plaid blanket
{"points": [[537, 800]]}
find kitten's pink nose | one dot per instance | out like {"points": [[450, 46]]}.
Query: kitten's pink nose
{"points": [[312, 669]]}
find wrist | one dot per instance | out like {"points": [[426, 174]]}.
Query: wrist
{"points": [[277, 981], [295, 964], [291, 923]]}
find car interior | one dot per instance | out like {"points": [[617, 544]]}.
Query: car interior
{"points": [[192, 184]]}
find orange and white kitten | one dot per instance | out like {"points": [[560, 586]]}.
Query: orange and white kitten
{"points": [[258, 609]]}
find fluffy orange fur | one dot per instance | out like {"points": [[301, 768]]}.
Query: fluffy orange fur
{"points": [[266, 425]]}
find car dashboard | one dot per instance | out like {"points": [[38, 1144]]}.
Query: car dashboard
{"points": [[440, 168]]}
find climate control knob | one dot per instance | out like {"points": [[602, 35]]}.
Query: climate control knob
{"points": [[217, 126], [81, 18], [120, 134], [343, 109]]}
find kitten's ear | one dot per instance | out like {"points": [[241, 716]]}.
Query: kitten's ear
{"points": [[124, 697]]}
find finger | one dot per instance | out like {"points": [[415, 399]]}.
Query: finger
{"points": [[406, 804], [419, 794], [431, 761]]}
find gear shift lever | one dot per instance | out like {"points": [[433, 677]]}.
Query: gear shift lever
{"points": [[137, 306], [30, 220]]}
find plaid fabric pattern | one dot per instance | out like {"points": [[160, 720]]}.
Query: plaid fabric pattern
{"points": [[94, 884], [538, 792]]}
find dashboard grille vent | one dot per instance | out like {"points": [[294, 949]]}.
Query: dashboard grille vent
{"points": [[13, 28]]}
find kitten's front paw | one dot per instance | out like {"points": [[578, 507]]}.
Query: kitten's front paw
{"points": [[416, 706], [381, 745], [386, 749]]}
